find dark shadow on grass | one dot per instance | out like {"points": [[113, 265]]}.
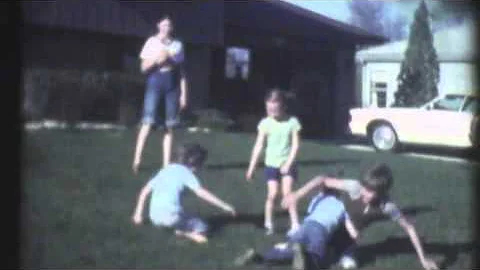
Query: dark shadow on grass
{"points": [[470, 154], [401, 245], [244, 165], [218, 222]]}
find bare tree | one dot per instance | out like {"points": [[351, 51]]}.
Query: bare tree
{"points": [[451, 11], [394, 28], [367, 14]]}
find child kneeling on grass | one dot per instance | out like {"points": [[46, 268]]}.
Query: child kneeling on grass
{"points": [[307, 247], [167, 187]]}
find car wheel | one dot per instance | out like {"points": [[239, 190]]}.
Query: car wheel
{"points": [[384, 138]]}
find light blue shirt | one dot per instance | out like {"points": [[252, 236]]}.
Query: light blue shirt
{"points": [[167, 188], [326, 210]]}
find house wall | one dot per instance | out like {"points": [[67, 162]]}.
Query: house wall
{"points": [[198, 66], [455, 77], [63, 49], [343, 89], [379, 72]]}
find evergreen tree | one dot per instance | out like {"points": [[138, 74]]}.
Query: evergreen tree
{"points": [[419, 74]]}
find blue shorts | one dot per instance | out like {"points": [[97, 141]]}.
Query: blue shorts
{"points": [[180, 221], [161, 85], [188, 223], [274, 174], [313, 237]]}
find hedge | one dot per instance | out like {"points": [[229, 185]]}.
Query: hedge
{"points": [[76, 95], [97, 96]]}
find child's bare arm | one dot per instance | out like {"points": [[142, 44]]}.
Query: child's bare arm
{"points": [[183, 91], [257, 150], [293, 152], [147, 64], [316, 182], [412, 233], [137, 215], [351, 229], [214, 200]]}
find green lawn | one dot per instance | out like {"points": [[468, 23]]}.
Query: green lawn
{"points": [[78, 195]]}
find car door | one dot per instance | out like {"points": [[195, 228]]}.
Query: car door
{"points": [[445, 122]]}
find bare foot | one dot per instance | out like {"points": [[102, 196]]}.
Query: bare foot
{"points": [[195, 237]]}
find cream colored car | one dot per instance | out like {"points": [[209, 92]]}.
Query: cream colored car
{"points": [[447, 121]]}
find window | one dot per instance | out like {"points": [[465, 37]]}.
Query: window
{"points": [[379, 94], [237, 63], [449, 103], [381, 99], [471, 105]]}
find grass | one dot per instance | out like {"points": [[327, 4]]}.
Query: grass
{"points": [[78, 195]]}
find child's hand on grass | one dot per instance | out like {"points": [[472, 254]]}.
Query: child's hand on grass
{"points": [[231, 210], [429, 264]]}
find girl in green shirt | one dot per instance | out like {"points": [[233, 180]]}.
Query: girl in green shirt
{"points": [[281, 134]]}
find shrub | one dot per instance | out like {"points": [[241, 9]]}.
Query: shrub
{"points": [[75, 95], [36, 86], [212, 118], [248, 122]]}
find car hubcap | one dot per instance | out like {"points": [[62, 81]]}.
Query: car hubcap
{"points": [[384, 138]]}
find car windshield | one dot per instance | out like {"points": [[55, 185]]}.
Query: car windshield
{"points": [[449, 103], [471, 105]]}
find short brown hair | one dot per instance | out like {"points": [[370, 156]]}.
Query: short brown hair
{"points": [[378, 178], [164, 17], [280, 95], [191, 155]]}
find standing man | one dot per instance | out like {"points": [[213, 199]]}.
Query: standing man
{"points": [[162, 59]]}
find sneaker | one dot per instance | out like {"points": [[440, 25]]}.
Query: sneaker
{"points": [[347, 262], [298, 258], [245, 258], [292, 231]]}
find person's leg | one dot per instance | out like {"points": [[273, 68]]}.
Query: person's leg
{"points": [[150, 103], [299, 257], [287, 182], [313, 239], [192, 228], [167, 146], [313, 262], [281, 252], [140, 144], [343, 247], [347, 257], [272, 190]]}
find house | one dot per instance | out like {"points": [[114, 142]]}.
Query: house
{"points": [[280, 45], [379, 66]]}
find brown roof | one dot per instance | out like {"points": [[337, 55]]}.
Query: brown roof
{"points": [[93, 15], [195, 21]]}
